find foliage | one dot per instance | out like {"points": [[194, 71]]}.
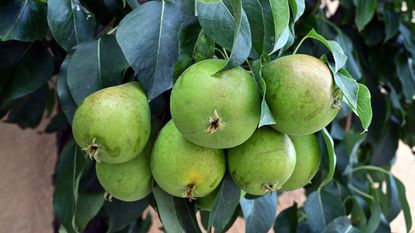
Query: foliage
{"points": [[72, 48]]}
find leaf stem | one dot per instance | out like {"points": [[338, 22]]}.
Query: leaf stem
{"points": [[299, 44], [221, 53]]}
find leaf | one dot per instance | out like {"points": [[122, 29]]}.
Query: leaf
{"points": [[228, 195], [287, 220], [321, 208], [65, 198], [22, 20], [148, 37], [66, 100], [217, 21], [87, 207], [297, 8], [406, 76], [374, 219], [70, 22], [404, 203], [204, 47], [340, 225], [24, 67], [122, 213], [175, 214], [394, 206], [348, 86], [259, 213], [391, 19], [364, 107], [365, 9], [266, 115], [253, 10], [29, 110], [332, 157], [338, 54], [95, 65], [281, 15]]}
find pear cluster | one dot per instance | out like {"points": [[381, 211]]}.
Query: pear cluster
{"points": [[214, 129]]}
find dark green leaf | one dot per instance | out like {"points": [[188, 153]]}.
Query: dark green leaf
{"points": [[95, 65], [148, 36], [29, 110], [364, 107], [287, 220], [70, 166], [406, 76], [143, 226], [266, 115], [358, 215], [70, 22], [204, 47], [87, 207], [365, 9], [321, 208], [340, 225], [393, 204], [57, 123], [404, 203], [297, 8], [175, 214], [122, 213], [255, 16], [228, 195], [24, 67], [391, 19], [66, 100], [217, 22], [22, 20], [374, 219], [259, 213], [332, 156]]}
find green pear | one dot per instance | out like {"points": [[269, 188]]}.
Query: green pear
{"points": [[215, 110], [184, 169], [129, 181], [301, 94], [307, 150], [263, 163], [113, 125]]}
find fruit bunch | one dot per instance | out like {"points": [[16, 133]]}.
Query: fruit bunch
{"points": [[214, 128]]}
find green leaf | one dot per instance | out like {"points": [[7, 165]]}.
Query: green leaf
{"points": [[66, 100], [338, 54], [259, 213], [255, 16], [122, 213], [95, 65], [391, 19], [204, 47], [348, 86], [364, 107], [71, 164], [218, 20], [297, 8], [393, 205], [358, 215], [24, 67], [406, 75], [332, 156], [228, 195], [340, 225], [87, 207], [365, 9], [321, 208], [287, 220], [281, 15], [266, 115], [374, 219], [404, 203], [22, 20], [148, 37], [70, 22], [174, 213]]}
